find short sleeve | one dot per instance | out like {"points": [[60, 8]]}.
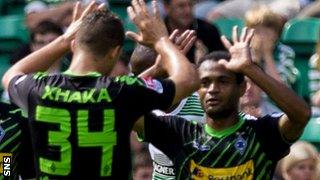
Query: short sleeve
{"points": [[19, 88], [166, 132], [143, 95], [275, 146]]}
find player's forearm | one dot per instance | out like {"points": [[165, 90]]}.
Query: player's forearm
{"points": [[179, 69], [155, 71], [39, 60], [296, 109]]}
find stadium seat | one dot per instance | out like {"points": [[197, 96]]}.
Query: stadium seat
{"points": [[4, 66], [120, 8], [225, 25], [8, 7], [301, 34], [312, 132], [301, 62], [13, 32]]}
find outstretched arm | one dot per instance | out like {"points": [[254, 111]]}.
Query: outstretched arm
{"points": [[42, 59], [153, 33], [296, 111]]}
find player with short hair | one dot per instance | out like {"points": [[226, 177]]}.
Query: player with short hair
{"points": [[229, 145]]}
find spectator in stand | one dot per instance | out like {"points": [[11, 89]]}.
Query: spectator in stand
{"points": [[238, 8], [253, 103], [180, 16], [314, 84], [44, 33], [142, 165], [38, 11], [301, 163], [275, 57]]}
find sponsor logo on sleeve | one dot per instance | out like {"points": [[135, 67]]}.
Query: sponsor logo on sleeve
{"points": [[153, 84]]}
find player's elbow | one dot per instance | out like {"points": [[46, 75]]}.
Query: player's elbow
{"points": [[5, 80], [306, 113], [302, 116]]}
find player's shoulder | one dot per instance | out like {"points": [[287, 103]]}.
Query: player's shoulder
{"points": [[148, 82], [269, 120]]}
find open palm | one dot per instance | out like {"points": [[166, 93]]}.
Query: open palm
{"points": [[239, 51]]}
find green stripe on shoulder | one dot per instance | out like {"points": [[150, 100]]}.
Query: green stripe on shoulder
{"points": [[40, 75], [129, 80]]}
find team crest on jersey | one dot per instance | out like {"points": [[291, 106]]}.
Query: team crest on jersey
{"points": [[2, 133], [153, 84], [241, 143], [202, 143]]}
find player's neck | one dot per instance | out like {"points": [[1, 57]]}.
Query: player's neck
{"points": [[221, 123], [82, 64]]}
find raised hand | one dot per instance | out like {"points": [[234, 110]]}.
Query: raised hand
{"points": [[240, 50], [151, 26], [78, 17], [185, 41]]}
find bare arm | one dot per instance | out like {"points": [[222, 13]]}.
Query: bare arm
{"points": [[38, 61], [153, 33], [42, 59], [55, 14], [296, 111]]}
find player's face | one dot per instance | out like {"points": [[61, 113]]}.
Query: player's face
{"points": [[219, 91], [180, 11], [303, 170]]}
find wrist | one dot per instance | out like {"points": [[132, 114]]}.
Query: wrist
{"points": [[250, 69], [161, 43], [63, 42]]}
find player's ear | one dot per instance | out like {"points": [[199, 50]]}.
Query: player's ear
{"points": [[115, 52], [72, 45]]}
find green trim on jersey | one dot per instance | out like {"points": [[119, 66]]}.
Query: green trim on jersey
{"points": [[90, 74], [10, 141], [129, 80], [40, 75], [226, 132]]}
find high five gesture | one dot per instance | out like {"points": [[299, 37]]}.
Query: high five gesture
{"points": [[240, 50], [151, 26]]}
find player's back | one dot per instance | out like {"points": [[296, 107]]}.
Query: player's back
{"points": [[81, 124]]}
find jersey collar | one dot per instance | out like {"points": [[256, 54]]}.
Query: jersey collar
{"points": [[226, 132], [91, 74]]}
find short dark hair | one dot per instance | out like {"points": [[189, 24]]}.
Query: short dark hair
{"points": [[166, 1], [45, 27], [100, 31], [216, 56], [142, 58]]}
